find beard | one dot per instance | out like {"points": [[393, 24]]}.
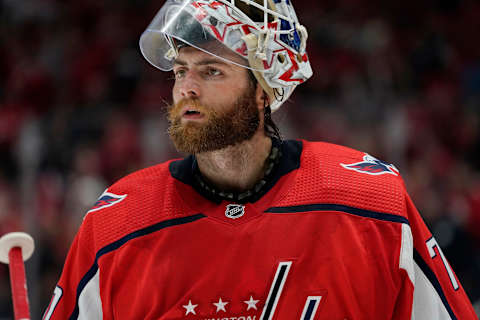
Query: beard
{"points": [[230, 126]]}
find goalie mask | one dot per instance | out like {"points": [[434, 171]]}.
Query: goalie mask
{"points": [[265, 34]]}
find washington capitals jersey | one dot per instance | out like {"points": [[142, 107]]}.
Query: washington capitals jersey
{"points": [[334, 236]]}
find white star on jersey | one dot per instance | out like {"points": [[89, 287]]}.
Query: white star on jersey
{"points": [[251, 304], [190, 307], [220, 305]]}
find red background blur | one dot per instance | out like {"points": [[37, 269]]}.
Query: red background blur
{"points": [[80, 108]]}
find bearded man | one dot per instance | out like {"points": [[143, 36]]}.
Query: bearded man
{"points": [[248, 226]]}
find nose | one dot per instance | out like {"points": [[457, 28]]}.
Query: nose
{"points": [[188, 85]]}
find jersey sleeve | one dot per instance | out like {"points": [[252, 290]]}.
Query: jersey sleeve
{"points": [[77, 294], [438, 293]]}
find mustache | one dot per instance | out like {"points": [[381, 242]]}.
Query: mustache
{"points": [[194, 102], [174, 111]]}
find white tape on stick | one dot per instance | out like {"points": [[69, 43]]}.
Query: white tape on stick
{"points": [[16, 239]]}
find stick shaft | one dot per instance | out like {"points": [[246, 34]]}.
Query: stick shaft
{"points": [[18, 283]]}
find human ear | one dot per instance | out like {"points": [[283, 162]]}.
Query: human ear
{"points": [[261, 97]]}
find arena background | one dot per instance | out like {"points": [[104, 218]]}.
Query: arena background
{"points": [[80, 108]]}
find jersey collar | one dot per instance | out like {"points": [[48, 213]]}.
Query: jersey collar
{"points": [[186, 169]]}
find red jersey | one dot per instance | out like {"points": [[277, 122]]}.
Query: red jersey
{"points": [[334, 235]]}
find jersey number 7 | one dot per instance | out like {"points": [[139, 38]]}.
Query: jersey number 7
{"points": [[431, 245]]}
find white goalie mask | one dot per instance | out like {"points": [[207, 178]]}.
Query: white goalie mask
{"points": [[266, 35]]}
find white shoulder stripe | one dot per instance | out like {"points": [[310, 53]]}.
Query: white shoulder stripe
{"points": [[406, 252], [427, 304], [89, 302]]}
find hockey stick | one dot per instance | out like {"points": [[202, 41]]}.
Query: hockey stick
{"points": [[16, 247]]}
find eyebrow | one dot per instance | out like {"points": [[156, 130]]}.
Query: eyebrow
{"points": [[202, 62]]}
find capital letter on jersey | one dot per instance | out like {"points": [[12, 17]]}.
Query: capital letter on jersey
{"points": [[310, 308], [431, 244], [276, 290]]}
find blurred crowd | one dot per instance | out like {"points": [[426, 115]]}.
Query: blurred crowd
{"points": [[80, 108]]}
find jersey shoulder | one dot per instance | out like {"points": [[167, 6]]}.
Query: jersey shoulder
{"points": [[137, 201], [340, 175]]}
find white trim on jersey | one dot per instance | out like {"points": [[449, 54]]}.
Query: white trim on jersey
{"points": [[89, 302], [276, 290], [406, 252], [427, 304]]}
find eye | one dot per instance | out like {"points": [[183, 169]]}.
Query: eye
{"points": [[213, 72], [179, 73]]}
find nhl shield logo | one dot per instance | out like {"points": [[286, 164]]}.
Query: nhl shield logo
{"points": [[234, 211]]}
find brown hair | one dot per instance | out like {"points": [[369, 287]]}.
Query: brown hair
{"points": [[271, 129]]}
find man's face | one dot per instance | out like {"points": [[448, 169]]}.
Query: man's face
{"points": [[214, 103]]}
